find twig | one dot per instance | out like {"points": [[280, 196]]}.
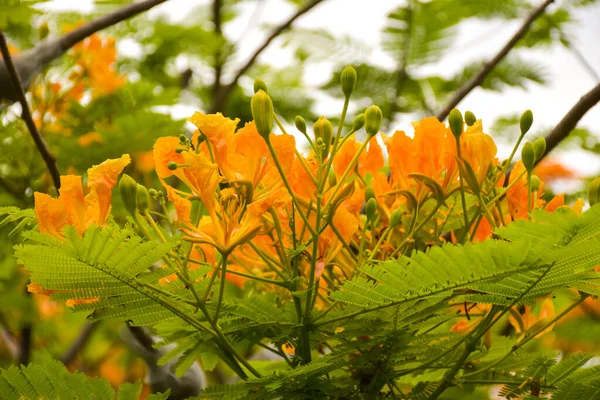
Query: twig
{"points": [[26, 114], [216, 9], [110, 19], [570, 120], [490, 65], [221, 96], [11, 343], [79, 343]]}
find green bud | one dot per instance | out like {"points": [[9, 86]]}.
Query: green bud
{"points": [[183, 139], [43, 30], [332, 179], [172, 165], [179, 151], [470, 118], [358, 122], [143, 198], [128, 191], [395, 218], [594, 191], [455, 120], [300, 124], [262, 112], [369, 193], [323, 130], [371, 208], [153, 193], [373, 117], [540, 147], [528, 156], [259, 84], [348, 80], [526, 122], [534, 183]]}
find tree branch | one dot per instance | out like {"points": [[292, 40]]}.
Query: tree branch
{"points": [[30, 62], [570, 120], [221, 97], [490, 65], [26, 114], [216, 9], [79, 343]]}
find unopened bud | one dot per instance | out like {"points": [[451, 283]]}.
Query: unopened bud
{"points": [[395, 218], [528, 156], [43, 30], [373, 117], [348, 80], [470, 118], [172, 165], [300, 124], [153, 193], [371, 208], [128, 191], [534, 183], [331, 179], [526, 122], [540, 147], [323, 130], [143, 199], [259, 84], [183, 139], [369, 193], [262, 112], [179, 150], [455, 120], [594, 191], [358, 122]]}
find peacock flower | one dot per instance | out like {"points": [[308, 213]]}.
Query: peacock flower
{"points": [[528, 322], [74, 208], [478, 149]]}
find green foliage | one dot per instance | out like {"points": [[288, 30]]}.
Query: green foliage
{"points": [[50, 379]]}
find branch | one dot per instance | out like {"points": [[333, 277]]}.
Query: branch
{"points": [[490, 65], [217, 19], [26, 113], [30, 62], [569, 121], [123, 13], [221, 96], [79, 343]]}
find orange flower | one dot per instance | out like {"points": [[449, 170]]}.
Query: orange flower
{"points": [[89, 138], [478, 149], [548, 170], [72, 207], [529, 322]]}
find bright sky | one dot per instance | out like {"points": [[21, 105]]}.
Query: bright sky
{"points": [[363, 21]]}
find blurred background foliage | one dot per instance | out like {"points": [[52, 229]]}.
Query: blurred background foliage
{"points": [[95, 103]]}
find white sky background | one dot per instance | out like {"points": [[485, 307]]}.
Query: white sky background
{"points": [[364, 19]]}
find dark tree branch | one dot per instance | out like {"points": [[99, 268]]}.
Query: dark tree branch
{"points": [[79, 343], [217, 20], [490, 65], [30, 62], [110, 19], [221, 96], [570, 120], [15, 81]]}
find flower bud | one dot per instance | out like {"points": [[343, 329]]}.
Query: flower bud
{"points": [[43, 30], [262, 112], [455, 120], [540, 147], [323, 130], [594, 191], [371, 208], [300, 124], [259, 84], [128, 191], [526, 122], [348, 80], [143, 199], [528, 156], [153, 192], [358, 122], [470, 118], [172, 165], [373, 117], [332, 179], [534, 183], [395, 218], [183, 139], [369, 193]]}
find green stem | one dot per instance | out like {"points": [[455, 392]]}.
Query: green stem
{"points": [[462, 192], [222, 285]]}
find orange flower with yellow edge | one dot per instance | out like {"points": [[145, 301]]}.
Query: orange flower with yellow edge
{"points": [[74, 208]]}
